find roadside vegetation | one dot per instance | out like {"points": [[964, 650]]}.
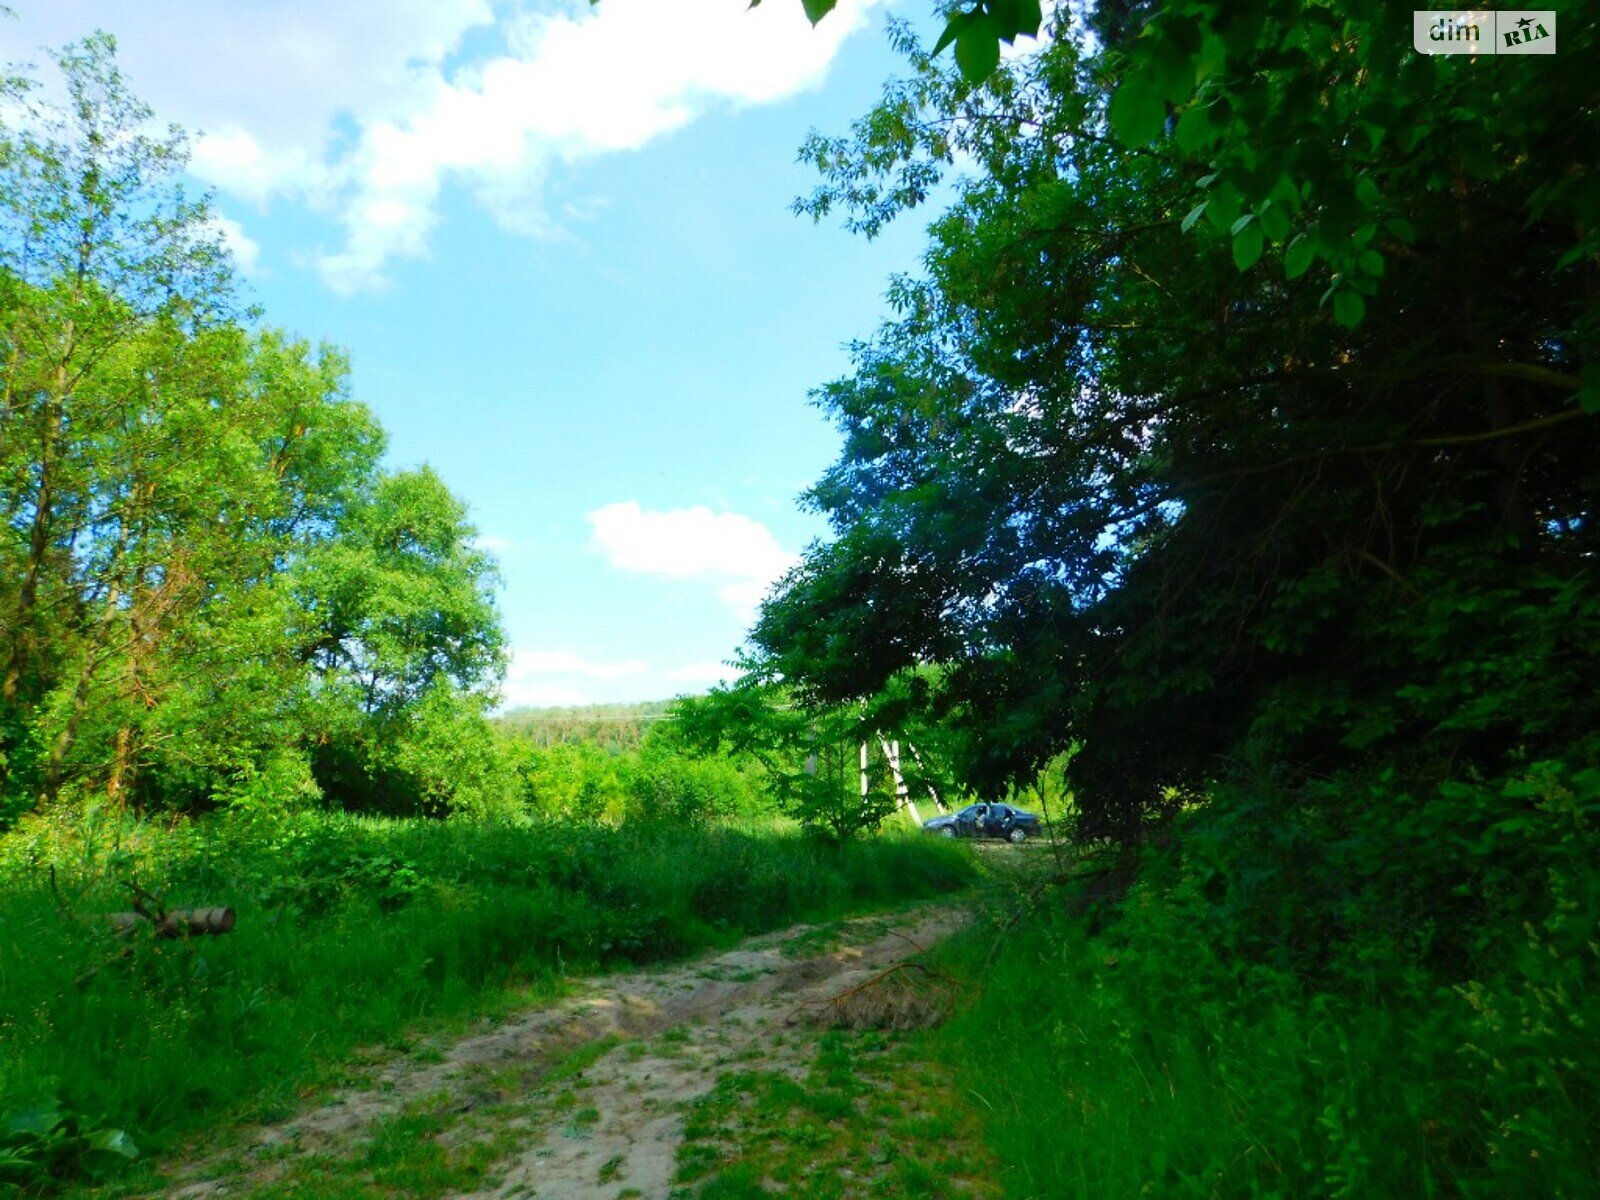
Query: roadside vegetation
{"points": [[350, 931], [1205, 1034]]}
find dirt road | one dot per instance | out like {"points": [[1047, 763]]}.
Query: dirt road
{"points": [[588, 1097]]}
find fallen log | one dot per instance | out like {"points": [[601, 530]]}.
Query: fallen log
{"points": [[180, 922]]}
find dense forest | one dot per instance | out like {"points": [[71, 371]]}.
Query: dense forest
{"points": [[1224, 484]]}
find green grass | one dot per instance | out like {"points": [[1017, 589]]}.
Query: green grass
{"points": [[350, 932], [1138, 1060], [873, 1116]]}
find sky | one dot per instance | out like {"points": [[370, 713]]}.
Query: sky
{"points": [[555, 240]]}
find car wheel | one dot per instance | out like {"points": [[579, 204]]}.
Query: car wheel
{"points": [[947, 832], [1017, 836]]}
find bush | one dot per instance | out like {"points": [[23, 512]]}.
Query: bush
{"points": [[680, 789]]}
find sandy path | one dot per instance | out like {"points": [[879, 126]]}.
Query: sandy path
{"points": [[677, 1030]]}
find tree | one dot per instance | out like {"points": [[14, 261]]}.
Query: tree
{"points": [[976, 30], [401, 633], [812, 754], [1132, 489], [206, 581], [105, 268]]}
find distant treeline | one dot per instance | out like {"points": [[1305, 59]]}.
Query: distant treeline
{"points": [[617, 728]]}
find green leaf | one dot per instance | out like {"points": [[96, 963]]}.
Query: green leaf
{"points": [[1402, 229], [1172, 72], [1367, 192], [1225, 206], [1213, 54], [1030, 15], [1194, 130], [978, 49], [1286, 195], [1371, 262], [1137, 111], [113, 1141], [1195, 214], [1577, 254], [817, 9], [1248, 245], [952, 30], [40, 1121], [1234, 229], [1589, 392], [1004, 13], [1298, 257], [1348, 308], [1274, 221]]}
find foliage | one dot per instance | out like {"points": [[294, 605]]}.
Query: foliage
{"points": [[671, 784], [975, 29], [811, 755], [570, 781], [1296, 574], [1260, 1016], [616, 728], [41, 1145], [658, 777], [1120, 494], [211, 592], [1318, 131], [349, 930]]}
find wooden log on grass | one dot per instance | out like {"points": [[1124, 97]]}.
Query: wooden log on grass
{"points": [[179, 922]]}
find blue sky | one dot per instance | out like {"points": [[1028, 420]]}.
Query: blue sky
{"points": [[555, 240]]}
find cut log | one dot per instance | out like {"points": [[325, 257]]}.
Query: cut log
{"points": [[180, 922]]}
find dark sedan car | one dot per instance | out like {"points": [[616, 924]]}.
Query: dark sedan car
{"points": [[986, 819]]}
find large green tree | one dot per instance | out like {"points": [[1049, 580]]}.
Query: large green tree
{"points": [[1139, 484], [208, 584]]}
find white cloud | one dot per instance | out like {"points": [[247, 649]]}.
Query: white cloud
{"points": [[369, 114], [286, 71], [705, 673], [492, 542], [521, 694], [578, 82], [245, 249], [234, 161], [544, 678], [529, 663], [741, 555]]}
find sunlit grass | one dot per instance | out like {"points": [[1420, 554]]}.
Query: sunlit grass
{"points": [[350, 931]]}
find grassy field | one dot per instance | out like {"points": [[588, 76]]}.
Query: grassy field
{"points": [[350, 931]]}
